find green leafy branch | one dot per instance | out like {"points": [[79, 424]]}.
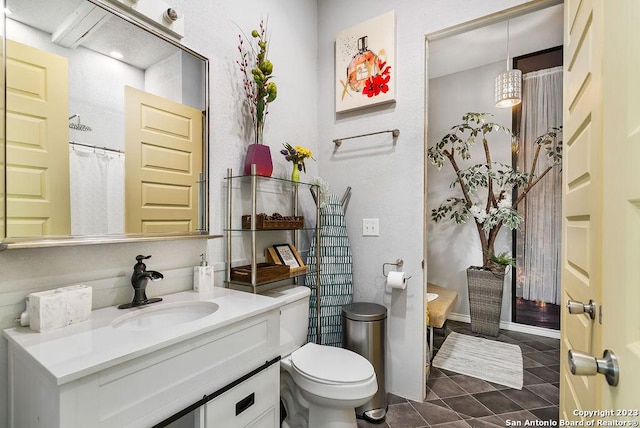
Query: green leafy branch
{"points": [[498, 178]]}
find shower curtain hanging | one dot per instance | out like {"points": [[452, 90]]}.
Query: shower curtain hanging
{"points": [[538, 241], [96, 179]]}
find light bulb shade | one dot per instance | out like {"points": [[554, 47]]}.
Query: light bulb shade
{"points": [[508, 88]]}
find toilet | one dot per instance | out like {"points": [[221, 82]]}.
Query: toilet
{"points": [[320, 386]]}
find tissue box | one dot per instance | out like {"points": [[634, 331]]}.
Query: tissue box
{"points": [[57, 308]]}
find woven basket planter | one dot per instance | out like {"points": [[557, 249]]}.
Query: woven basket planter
{"points": [[485, 300]]}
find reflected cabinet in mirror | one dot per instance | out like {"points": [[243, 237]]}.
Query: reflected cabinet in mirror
{"points": [[106, 127]]}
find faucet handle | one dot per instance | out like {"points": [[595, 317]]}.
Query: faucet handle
{"points": [[140, 265]]}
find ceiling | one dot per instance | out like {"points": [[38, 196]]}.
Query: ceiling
{"points": [[140, 48], [486, 45], [528, 33]]}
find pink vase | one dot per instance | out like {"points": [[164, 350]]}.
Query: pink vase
{"points": [[260, 155]]}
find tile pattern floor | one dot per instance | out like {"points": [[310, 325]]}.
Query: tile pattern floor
{"points": [[537, 313], [459, 401]]}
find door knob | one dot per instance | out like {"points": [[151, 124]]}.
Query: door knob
{"points": [[581, 308], [582, 364]]}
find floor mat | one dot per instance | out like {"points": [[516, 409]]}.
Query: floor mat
{"points": [[481, 358]]}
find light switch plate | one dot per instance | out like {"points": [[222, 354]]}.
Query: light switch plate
{"points": [[370, 227]]}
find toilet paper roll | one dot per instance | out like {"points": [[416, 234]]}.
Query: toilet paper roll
{"points": [[397, 279]]}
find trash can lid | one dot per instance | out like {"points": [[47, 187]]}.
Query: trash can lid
{"points": [[364, 311]]}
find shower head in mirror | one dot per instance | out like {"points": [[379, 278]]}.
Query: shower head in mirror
{"points": [[90, 83], [77, 125]]}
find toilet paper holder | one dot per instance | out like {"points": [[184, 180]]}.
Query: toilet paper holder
{"points": [[399, 263]]}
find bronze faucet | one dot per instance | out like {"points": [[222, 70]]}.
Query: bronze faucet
{"points": [[139, 280]]}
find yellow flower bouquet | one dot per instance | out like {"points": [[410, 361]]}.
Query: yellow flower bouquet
{"points": [[297, 155]]}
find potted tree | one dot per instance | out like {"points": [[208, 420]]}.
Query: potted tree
{"points": [[486, 196]]}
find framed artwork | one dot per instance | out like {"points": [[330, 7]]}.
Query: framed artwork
{"points": [[288, 255], [365, 64]]}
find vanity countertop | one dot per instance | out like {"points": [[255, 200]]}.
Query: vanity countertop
{"points": [[85, 348]]}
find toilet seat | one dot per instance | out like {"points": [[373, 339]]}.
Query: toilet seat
{"points": [[320, 386], [332, 373], [331, 365]]}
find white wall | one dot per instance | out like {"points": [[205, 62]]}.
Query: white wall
{"points": [[453, 248], [164, 78], [211, 31], [387, 182], [387, 179]]}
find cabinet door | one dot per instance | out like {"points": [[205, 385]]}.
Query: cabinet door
{"points": [[254, 403], [268, 419]]}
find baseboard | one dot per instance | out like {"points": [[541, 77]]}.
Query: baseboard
{"points": [[512, 326]]}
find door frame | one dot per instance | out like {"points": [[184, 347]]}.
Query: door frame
{"points": [[510, 13]]}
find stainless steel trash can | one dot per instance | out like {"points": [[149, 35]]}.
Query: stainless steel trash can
{"points": [[364, 332]]}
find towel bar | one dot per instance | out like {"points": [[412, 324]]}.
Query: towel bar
{"points": [[394, 132]]}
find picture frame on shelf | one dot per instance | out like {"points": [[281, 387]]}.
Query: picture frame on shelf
{"points": [[288, 255]]}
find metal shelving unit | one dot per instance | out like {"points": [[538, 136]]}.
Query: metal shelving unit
{"points": [[295, 189]]}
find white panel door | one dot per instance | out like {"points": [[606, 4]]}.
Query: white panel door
{"points": [[621, 206], [601, 206], [38, 194], [162, 162]]}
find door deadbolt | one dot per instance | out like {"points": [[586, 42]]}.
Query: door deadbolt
{"points": [[583, 364], [581, 308]]}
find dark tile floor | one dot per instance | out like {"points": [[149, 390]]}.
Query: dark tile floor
{"points": [[459, 401], [537, 313]]}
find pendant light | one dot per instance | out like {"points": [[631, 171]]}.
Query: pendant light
{"points": [[508, 84]]}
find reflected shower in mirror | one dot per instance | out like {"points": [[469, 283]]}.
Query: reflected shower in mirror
{"points": [[106, 125]]}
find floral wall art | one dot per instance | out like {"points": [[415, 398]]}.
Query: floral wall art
{"points": [[365, 61]]}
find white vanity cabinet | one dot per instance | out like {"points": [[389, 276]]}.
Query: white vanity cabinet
{"points": [[230, 372], [253, 403]]}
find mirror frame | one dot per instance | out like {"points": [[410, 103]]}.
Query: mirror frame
{"points": [[71, 240]]}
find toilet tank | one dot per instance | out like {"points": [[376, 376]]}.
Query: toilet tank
{"points": [[294, 316]]}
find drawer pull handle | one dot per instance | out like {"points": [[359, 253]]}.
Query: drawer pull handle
{"points": [[245, 403]]}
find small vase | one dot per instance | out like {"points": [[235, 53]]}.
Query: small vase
{"points": [[295, 174], [260, 155]]}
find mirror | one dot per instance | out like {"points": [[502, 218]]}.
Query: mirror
{"points": [[106, 126]]}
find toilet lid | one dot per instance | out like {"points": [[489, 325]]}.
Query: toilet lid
{"points": [[331, 364]]}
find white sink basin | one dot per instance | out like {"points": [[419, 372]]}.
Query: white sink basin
{"points": [[164, 315]]}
